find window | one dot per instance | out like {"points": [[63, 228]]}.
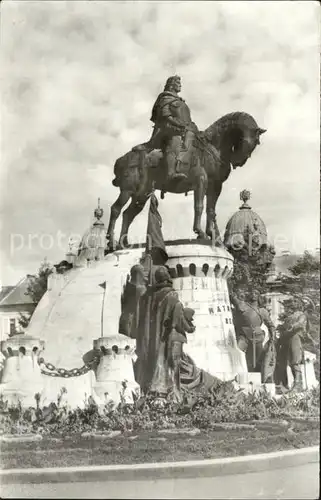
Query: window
{"points": [[12, 326]]}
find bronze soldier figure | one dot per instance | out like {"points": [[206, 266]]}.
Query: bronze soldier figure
{"points": [[176, 338], [290, 351], [249, 317]]}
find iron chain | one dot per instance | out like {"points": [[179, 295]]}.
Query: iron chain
{"points": [[63, 372]]}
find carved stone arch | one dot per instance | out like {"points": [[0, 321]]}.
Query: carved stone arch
{"points": [[173, 272], [180, 271], [217, 271], [192, 269], [225, 272], [230, 273], [205, 269]]}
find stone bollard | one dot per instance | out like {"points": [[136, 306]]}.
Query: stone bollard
{"points": [[115, 375], [21, 377]]}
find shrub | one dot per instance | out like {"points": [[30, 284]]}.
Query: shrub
{"points": [[202, 410]]}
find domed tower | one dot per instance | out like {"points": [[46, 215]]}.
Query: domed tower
{"points": [[92, 245], [246, 236], [245, 230], [87, 253]]}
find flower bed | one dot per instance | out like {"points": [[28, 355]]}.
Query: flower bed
{"points": [[201, 411], [221, 423]]}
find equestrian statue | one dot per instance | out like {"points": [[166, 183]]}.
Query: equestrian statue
{"points": [[178, 158]]}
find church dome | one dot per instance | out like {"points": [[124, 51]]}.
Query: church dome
{"points": [[92, 245], [245, 228]]}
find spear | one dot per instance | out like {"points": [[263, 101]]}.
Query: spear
{"points": [[254, 349]]}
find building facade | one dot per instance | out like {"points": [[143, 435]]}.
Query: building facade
{"points": [[14, 301]]}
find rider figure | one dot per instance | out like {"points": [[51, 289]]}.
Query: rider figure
{"points": [[174, 130]]}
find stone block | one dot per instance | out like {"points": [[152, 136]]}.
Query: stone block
{"points": [[249, 377]]}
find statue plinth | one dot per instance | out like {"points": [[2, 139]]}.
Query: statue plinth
{"points": [[114, 375], [21, 377], [199, 272], [69, 321]]}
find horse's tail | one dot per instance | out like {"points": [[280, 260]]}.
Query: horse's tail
{"points": [[117, 173], [130, 168]]}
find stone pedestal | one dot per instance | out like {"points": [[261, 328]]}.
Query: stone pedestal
{"points": [[21, 376], [199, 274], [114, 375]]}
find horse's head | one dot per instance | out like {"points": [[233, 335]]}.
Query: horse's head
{"points": [[245, 136]]}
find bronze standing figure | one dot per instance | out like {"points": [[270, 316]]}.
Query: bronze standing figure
{"points": [[290, 349], [249, 317]]}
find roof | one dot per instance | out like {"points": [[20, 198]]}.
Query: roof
{"points": [[4, 291], [16, 295]]}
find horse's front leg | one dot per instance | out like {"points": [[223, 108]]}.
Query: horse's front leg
{"points": [[114, 214], [135, 207], [199, 193], [213, 194]]}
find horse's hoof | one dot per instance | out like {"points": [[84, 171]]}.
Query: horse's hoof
{"points": [[123, 243], [217, 241], [110, 247], [201, 236]]}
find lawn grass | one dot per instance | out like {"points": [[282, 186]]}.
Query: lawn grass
{"points": [[149, 447]]}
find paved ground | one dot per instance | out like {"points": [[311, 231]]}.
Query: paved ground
{"points": [[289, 483]]}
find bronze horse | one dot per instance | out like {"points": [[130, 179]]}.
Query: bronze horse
{"points": [[228, 142]]}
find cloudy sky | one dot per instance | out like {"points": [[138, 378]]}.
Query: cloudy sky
{"points": [[78, 83]]}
